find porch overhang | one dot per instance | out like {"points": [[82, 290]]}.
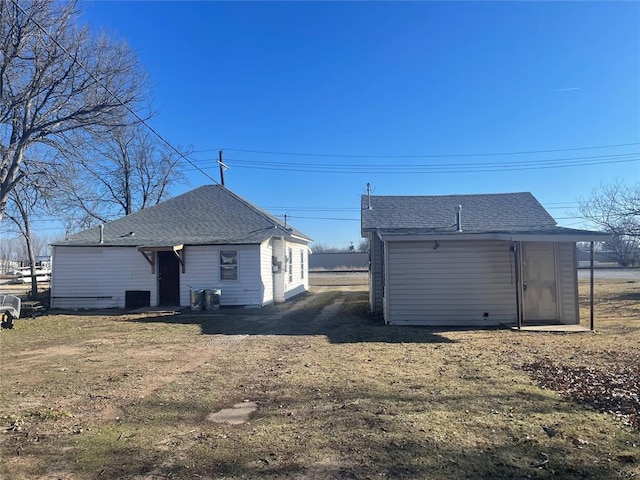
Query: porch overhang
{"points": [[148, 252]]}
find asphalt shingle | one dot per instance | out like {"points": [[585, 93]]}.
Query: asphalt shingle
{"points": [[480, 213], [210, 214]]}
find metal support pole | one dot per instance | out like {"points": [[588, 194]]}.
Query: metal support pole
{"points": [[516, 257], [591, 323]]}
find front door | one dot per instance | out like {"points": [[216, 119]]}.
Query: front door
{"points": [[539, 282], [168, 279]]}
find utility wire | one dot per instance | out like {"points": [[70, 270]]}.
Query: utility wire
{"points": [[428, 156], [129, 109], [435, 169], [550, 161], [295, 217], [627, 157]]}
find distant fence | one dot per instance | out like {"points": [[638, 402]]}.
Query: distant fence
{"points": [[339, 261]]}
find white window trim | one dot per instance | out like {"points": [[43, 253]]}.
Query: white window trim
{"points": [[237, 265]]}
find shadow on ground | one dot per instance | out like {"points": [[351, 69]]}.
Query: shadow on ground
{"points": [[342, 317]]}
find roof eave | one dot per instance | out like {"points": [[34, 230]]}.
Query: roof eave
{"points": [[502, 236]]}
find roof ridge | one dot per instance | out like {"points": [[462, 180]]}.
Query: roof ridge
{"points": [[271, 218], [364, 195], [248, 204]]}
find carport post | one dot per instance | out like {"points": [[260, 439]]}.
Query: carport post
{"points": [[591, 325]]}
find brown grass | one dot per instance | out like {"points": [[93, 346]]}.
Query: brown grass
{"points": [[339, 395]]}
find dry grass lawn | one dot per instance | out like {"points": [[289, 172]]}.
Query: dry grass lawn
{"points": [[339, 395]]}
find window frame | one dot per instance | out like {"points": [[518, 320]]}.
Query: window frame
{"points": [[228, 266]]}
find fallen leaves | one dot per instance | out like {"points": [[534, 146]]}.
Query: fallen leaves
{"points": [[612, 390]]}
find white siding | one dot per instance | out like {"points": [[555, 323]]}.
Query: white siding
{"points": [[568, 282], [299, 282], [202, 271], [266, 270], [453, 284], [376, 273], [97, 277]]}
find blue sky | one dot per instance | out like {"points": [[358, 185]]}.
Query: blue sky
{"points": [[391, 93]]}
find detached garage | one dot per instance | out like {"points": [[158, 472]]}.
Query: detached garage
{"points": [[470, 260]]}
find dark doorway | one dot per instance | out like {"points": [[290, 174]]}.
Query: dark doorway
{"points": [[168, 279]]}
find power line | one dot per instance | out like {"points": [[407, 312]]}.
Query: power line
{"points": [[448, 155], [457, 167], [399, 170], [294, 217], [629, 156], [115, 97], [311, 209]]}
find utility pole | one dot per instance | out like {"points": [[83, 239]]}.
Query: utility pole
{"points": [[222, 166]]}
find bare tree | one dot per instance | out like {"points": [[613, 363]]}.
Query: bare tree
{"points": [[23, 201], [114, 173], [623, 249], [56, 82], [9, 256], [615, 209]]}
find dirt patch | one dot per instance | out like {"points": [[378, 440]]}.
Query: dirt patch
{"points": [[340, 395]]}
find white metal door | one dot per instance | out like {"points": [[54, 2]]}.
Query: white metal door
{"points": [[539, 282]]}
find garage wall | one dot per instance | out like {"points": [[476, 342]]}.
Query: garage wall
{"points": [[452, 283], [376, 273]]}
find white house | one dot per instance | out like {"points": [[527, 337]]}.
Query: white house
{"points": [[470, 260], [207, 238]]}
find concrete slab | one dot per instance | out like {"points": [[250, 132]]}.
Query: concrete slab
{"points": [[163, 309], [553, 328], [237, 414]]}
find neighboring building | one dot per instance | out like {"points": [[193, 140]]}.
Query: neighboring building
{"points": [[207, 238], [336, 261], [465, 260]]}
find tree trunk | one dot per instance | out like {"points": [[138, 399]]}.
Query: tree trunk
{"points": [[32, 259]]}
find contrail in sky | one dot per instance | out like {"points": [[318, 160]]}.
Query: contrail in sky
{"points": [[570, 89]]}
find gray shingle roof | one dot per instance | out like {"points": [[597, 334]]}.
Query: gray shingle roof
{"points": [[210, 214], [512, 212]]}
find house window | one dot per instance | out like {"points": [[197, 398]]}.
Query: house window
{"points": [[302, 264], [229, 265], [290, 265]]}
